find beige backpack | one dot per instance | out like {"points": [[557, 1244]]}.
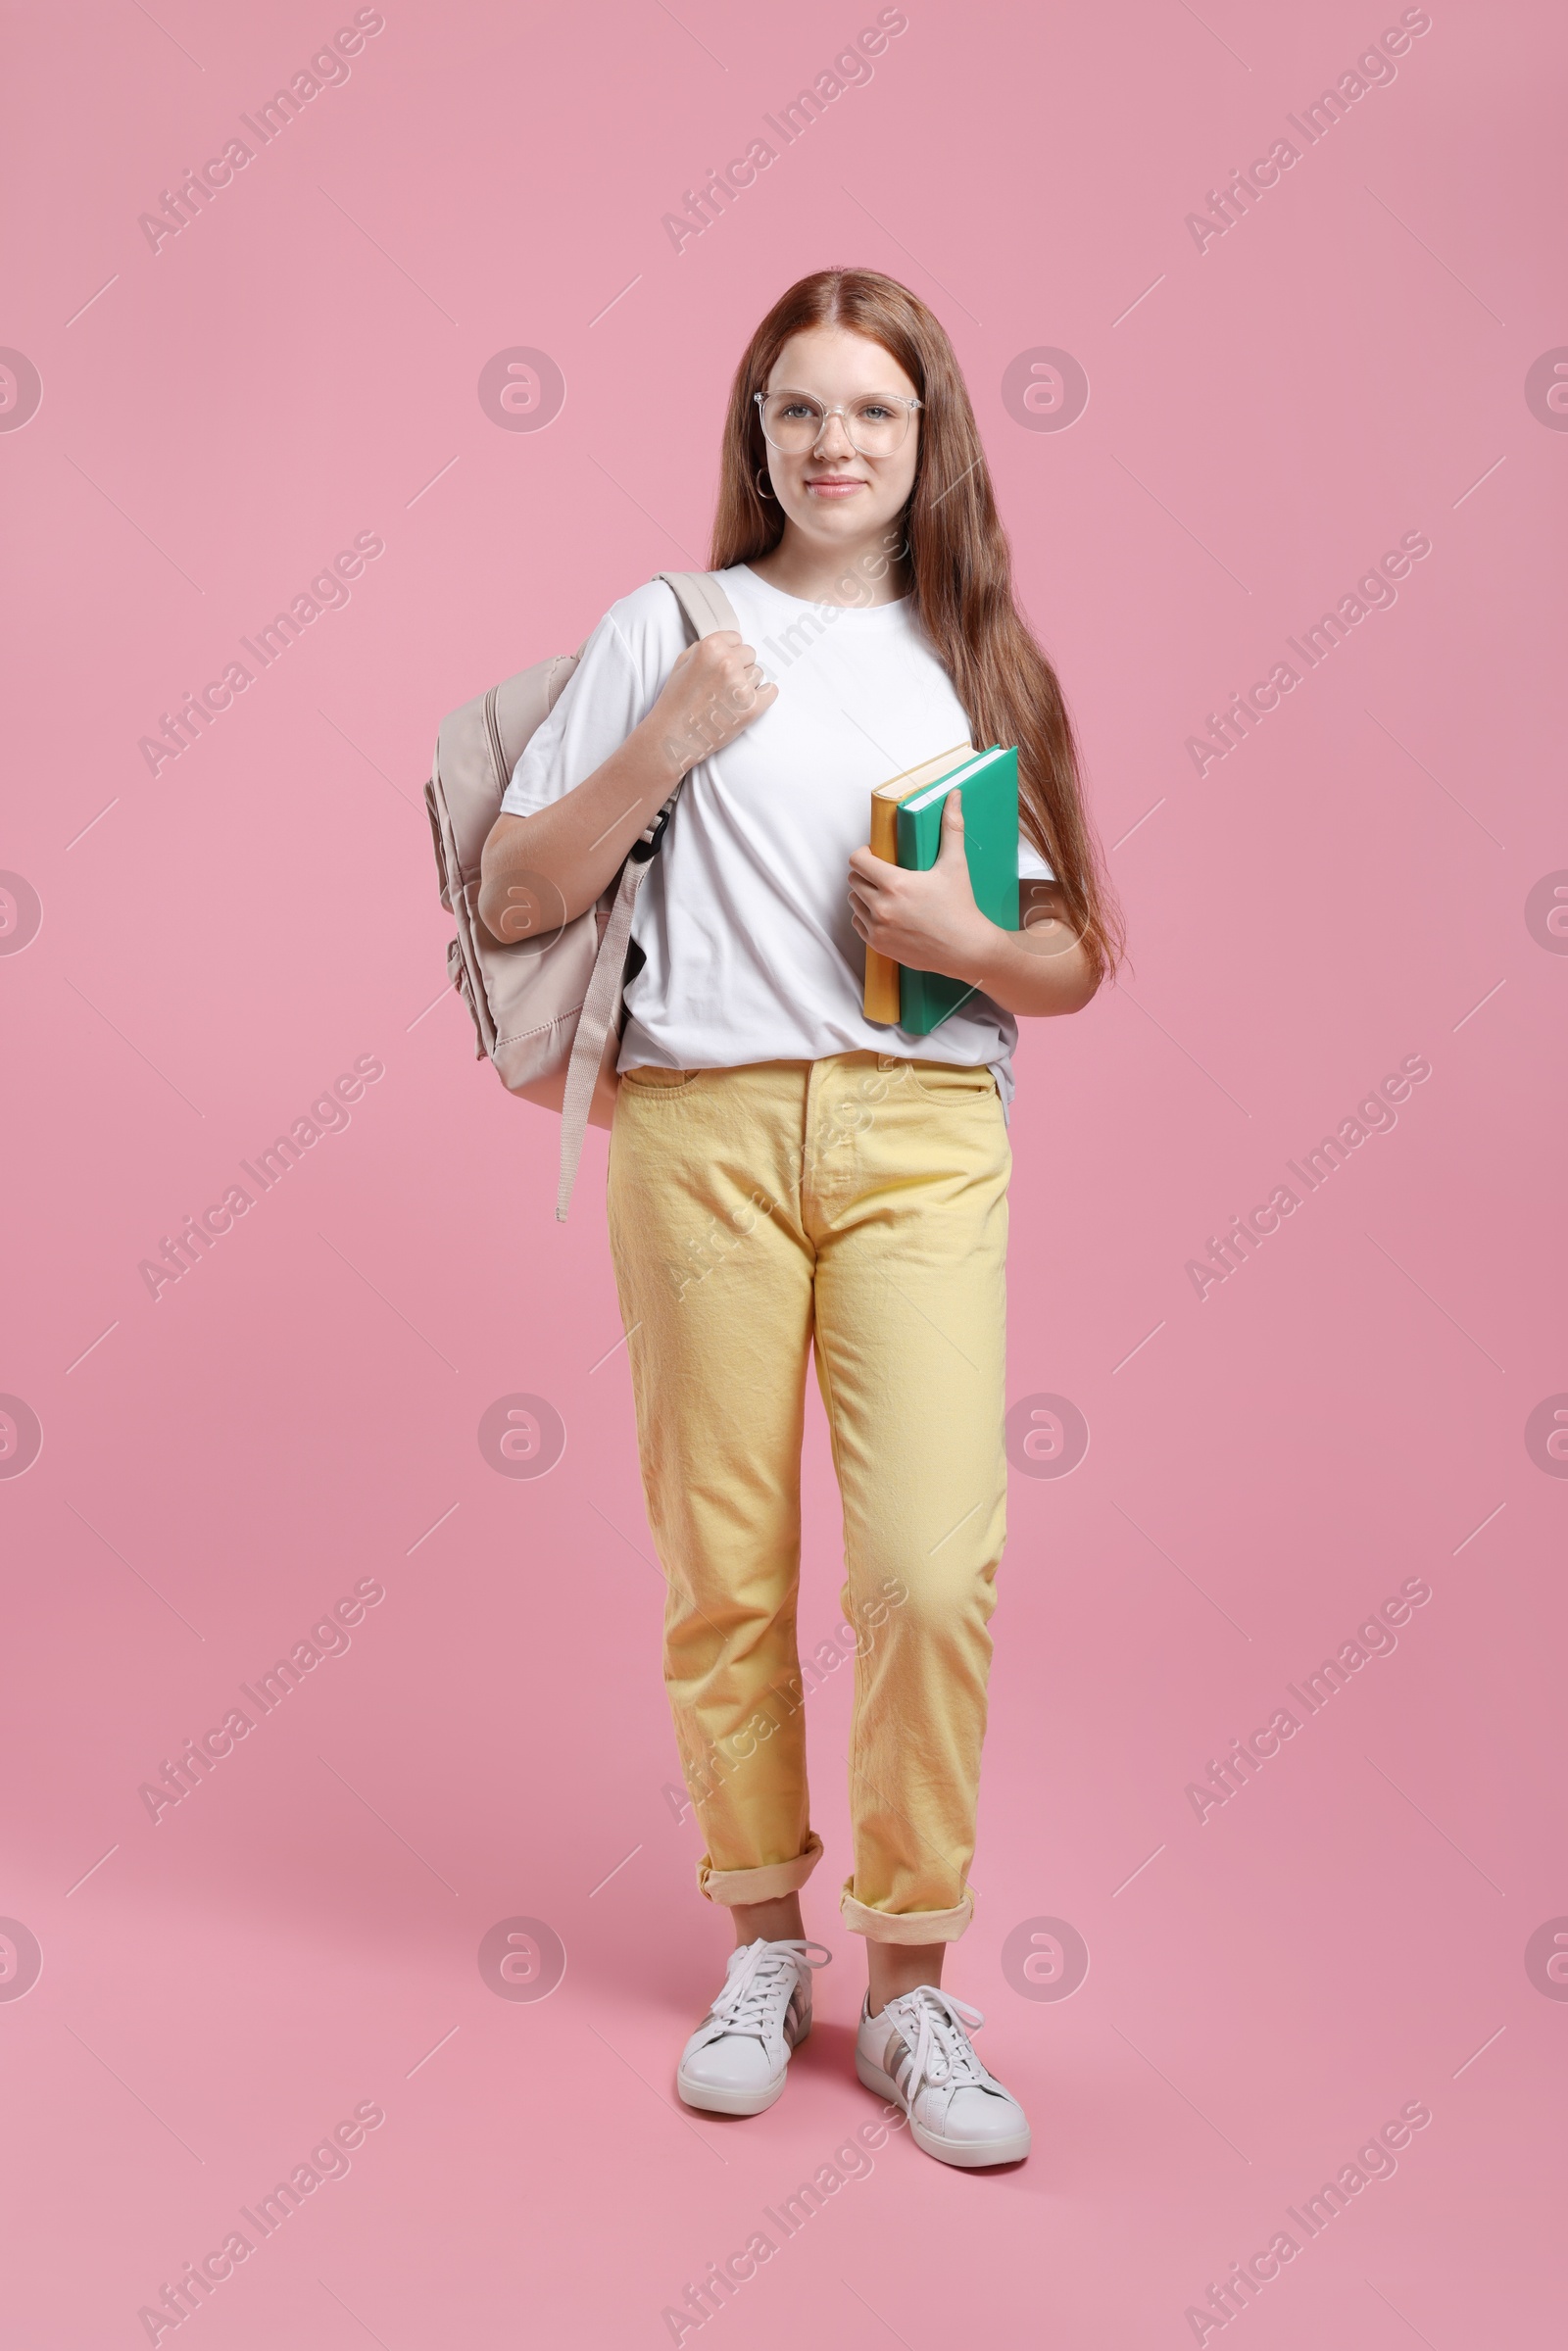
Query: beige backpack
{"points": [[546, 1010]]}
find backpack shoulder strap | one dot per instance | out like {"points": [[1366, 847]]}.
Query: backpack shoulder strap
{"points": [[702, 599], [705, 607]]}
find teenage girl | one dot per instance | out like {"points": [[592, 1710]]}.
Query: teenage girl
{"points": [[786, 1178]]}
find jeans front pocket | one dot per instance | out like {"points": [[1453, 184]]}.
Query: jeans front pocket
{"points": [[952, 1082], [653, 1080]]}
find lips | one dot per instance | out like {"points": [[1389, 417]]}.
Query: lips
{"points": [[836, 485]]}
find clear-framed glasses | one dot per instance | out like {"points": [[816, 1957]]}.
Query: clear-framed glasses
{"points": [[876, 425]]}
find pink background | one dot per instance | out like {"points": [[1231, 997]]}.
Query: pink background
{"points": [[1266, 1465]]}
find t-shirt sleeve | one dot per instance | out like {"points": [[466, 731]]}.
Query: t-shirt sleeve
{"points": [[603, 701], [1032, 866]]}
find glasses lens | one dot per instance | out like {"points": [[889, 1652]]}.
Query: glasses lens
{"points": [[876, 427], [794, 422]]}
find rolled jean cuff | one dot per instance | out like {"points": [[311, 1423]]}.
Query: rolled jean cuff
{"points": [[765, 1884], [905, 1926]]}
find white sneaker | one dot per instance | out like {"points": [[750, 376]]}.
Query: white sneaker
{"points": [[919, 2053], [736, 2060]]}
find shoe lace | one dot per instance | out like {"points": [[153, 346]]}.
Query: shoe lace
{"points": [[757, 1993], [935, 2028]]}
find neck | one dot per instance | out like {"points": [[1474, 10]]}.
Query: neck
{"points": [[859, 571]]}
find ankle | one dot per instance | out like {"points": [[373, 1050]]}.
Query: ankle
{"points": [[774, 1922], [894, 1969]]}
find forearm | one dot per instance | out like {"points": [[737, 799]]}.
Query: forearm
{"points": [[1034, 973], [575, 847], [927, 919]]}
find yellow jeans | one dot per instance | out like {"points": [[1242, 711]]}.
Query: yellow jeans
{"points": [[857, 1205]]}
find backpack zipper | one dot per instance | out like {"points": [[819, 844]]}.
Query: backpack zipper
{"points": [[493, 728]]}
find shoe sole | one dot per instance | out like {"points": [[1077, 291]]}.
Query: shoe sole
{"points": [[963, 2154], [709, 2098]]}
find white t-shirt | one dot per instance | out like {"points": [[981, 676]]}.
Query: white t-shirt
{"points": [[744, 920]]}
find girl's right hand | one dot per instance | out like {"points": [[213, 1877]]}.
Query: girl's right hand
{"points": [[714, 693]]}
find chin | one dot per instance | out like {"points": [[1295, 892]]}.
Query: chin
{"points": [[835, 516]]}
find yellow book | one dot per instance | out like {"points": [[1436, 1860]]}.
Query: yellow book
{"points": [[881, 999]]}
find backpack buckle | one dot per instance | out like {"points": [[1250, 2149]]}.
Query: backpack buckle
{"points": [[642, 850]]}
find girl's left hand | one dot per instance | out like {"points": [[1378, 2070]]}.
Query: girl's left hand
{"points": [[928, 922]]}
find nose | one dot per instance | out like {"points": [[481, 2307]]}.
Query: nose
{"points": [[842, 446]]}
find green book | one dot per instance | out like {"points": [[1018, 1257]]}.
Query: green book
{"points": [[988, 786]]}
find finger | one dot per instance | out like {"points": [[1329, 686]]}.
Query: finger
{"points": [[742, 703], [951, 826]]}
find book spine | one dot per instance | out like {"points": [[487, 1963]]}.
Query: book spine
{"points": [[916, 1014], [882, 987]]}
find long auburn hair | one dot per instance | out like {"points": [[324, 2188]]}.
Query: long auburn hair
{"points": [[961, 565]]}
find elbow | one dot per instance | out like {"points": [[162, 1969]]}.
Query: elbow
{"points": [[516, 900], [1060, 1003], [1078, 980], [491, 900], [1082, 993], [508, 891], [1066, 982]]}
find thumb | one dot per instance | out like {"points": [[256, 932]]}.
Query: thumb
{"points": [[952, 844]]}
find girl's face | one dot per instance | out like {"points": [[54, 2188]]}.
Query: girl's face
{"points": [[833, 492]]}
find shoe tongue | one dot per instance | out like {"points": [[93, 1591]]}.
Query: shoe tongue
{"points": [[913, 2003], [760, 1959], [955, 2059]]}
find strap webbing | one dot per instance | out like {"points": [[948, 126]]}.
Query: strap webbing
{"points": [[705, 607], [599, 1007]]}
